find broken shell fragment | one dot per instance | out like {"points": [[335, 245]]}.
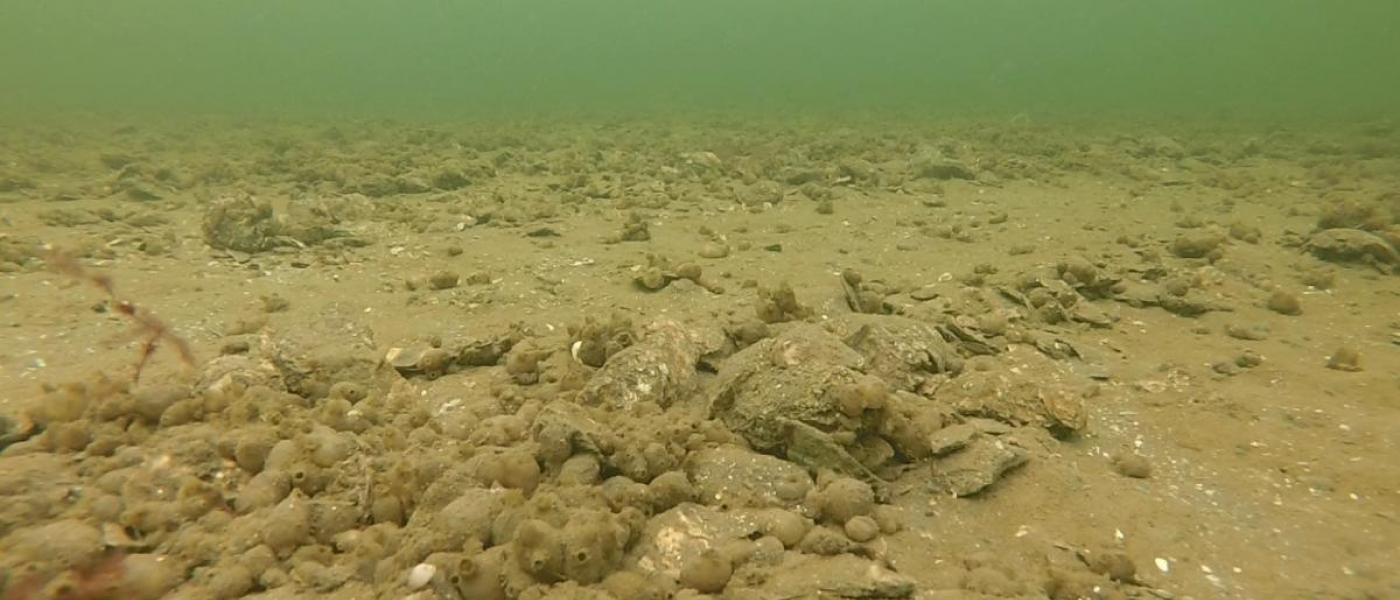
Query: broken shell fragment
{"points": [[420, 575]]}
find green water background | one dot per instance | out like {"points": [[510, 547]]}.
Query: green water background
{"points": [[443, 58]]}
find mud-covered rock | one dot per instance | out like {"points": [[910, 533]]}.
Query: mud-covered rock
{"points": [[15, 429], [901, 351], [976, 467], [1354, 246], [785, 377], [838, 576], [314, 221], [231, 375], [1049, 399], [65, 543], [804, 395], [940, 168], [331, 348], [971, 338], [241, 224], [563, 429], [821, 451], [246, 224], [951, 439], [659, 369], [735, 477], [680, 536]]}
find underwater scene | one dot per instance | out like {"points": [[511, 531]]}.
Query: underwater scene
{"points": [[759, 300]]}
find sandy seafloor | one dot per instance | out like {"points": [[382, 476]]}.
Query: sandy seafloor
{"points": [[1156, 361]]}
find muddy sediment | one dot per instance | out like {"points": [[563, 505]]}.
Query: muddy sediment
{"points": [[993, 361]]}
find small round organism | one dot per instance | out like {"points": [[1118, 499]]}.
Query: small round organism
{"points": [[714, 250], [862, 529], [1115, 565], [788, 527], [349, 390], [1133, 465], [1345, 358], [845, 498], [631, 584], [825, 541], [689, 271], [580, 469], [443, 280], [1284, 303], [708, 573], [889, 518], [669, 489]]}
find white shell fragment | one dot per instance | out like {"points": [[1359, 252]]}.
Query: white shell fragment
{"points": [[420, 575], [1162, 565]]}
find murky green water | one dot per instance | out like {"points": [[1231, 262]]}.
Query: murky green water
{"points": [[440, 57]]}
